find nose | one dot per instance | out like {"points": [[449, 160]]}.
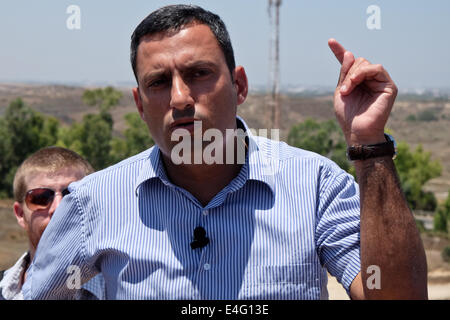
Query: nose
{"points": [[55, 204], [181, 97]]}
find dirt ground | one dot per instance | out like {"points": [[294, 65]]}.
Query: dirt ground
{"points": [[437, 290], [13, 242], [438, 272]]}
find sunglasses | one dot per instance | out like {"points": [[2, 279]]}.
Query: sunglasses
{"points": [[42, 198]]}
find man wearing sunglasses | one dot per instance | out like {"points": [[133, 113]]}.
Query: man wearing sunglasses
{"points": [[40, 184]]}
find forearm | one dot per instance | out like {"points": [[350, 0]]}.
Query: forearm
{"points": [[389, 236]]}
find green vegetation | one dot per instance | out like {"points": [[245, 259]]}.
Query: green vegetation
{"points": [[324, 138], [136, 136], [427, 115], [104, 99], [442, 216], [93, 137], [90, 138], [446, 254], [420, 226], [24, 131], [440, 222], [430, 114], [414, 168]]}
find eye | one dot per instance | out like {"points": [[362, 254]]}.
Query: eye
{"points": [[201, 73], [157, 83]]}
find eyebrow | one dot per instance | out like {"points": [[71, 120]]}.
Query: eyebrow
{"points": [[152, 75], [200, 63], [190, 65]]}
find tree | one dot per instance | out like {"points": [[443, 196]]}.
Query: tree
{"points": [[137, 138], [103, 98], [4, 163], [49, 133], [415, 168], [446, 254], [22, 132], [442, 216], [96, 137], [137, 134], [324, 138], [92, 138], [440, 221]]}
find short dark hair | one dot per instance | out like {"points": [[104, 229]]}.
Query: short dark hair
{"points": [[174, 18]]}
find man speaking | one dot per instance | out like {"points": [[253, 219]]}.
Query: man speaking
{"points": [[267, 228]]}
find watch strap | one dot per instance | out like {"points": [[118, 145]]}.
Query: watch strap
{"points": [[363, 152]]}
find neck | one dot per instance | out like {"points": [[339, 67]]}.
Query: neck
{"points": [[201, 180]]}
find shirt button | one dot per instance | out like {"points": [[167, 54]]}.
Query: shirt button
{"points": [[205, 212], [206, 266]]}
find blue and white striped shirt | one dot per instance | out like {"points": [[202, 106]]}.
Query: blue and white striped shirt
{"points": [[287, 217]]}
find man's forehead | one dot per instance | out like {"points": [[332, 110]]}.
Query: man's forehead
{"points": [[159, 35], [197, 35], [66, 173], [192, 43]]}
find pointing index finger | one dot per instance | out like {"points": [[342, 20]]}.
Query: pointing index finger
{"points": [[337, 49]]}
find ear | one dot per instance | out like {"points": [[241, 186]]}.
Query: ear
{"points": [[241, 84], [20, 214], [138, 102]]}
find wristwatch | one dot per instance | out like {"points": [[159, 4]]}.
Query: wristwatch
{"points": [[363, 152]]}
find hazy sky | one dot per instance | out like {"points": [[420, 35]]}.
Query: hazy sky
{"points": [[413, 42]]}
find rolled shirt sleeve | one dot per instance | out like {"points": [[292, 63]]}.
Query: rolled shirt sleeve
{"points": [[338, 227]]}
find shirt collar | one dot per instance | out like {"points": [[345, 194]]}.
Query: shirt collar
{"points": [[10, 287], [151, 168], [259, 166]]}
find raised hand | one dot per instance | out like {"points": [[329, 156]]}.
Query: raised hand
{"points": [[363, 98]]}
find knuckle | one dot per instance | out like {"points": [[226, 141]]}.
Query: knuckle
{"points": [[395, 88], [363, 61], [379, 67]]}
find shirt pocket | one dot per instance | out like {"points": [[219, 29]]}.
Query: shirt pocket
{"points": [[285, 282]]}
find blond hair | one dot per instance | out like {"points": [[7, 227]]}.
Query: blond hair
{"points": [[47, 160]]}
